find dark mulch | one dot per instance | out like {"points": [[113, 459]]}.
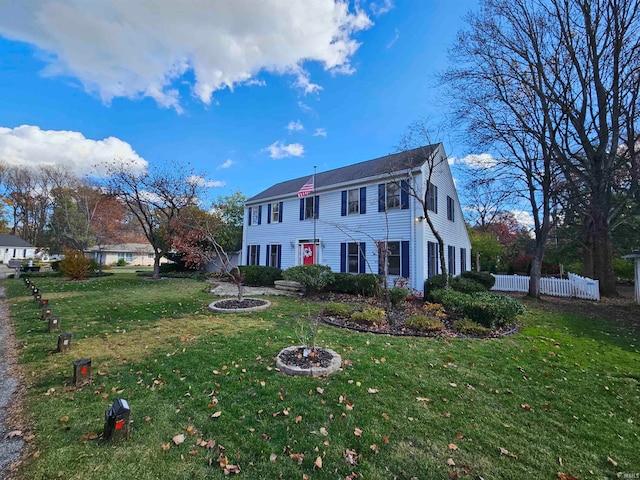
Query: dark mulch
{"points": [[314, 358], [244, 303]]}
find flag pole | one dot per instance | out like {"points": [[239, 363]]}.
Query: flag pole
{"points": [[315, 209]]}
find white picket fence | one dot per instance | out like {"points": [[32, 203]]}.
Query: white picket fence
{"points": [[575, 286]]}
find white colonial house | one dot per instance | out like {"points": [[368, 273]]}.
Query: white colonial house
{"points": [[353, 210]]}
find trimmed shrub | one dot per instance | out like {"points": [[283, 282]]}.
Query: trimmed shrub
{"points": [[314, 277], [424, 322], [166, 267], [339, 309], [365, 284], [369, 316], [261, 276], [483, 278], [453, 301], [434, 283], [469, 327], [121, 262], [75, 265], [397, 295], [466, 285], [434, 310], [493, 310]]}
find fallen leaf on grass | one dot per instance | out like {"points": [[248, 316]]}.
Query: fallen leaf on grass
{"points": [[178, 439], [320, 390], [452, 446], [385, 416], [357, 432], [566, 476], [297, 457], [323, 431], [318, 463], [373, 390], [298, 419], [166, 446], [612, 461], [216, 414], [273, 457], [526, 406], [351, 456], [450, 462], [504, 451], [374, 448], [14, 433]]}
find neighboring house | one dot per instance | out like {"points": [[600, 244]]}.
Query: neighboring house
{"points": [[354, 208], [12, 247], [133, 253]]}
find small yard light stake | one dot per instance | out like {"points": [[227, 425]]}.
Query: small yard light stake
{"points": [[116, 425], [46, 313], [44, 303], [54, 324], [37, 297], [81, 371], [64, 342]]}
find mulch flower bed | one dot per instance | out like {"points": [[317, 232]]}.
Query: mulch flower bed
{"points": [[314, 359], [234, 303]]}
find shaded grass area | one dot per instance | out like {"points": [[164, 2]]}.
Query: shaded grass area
{"points": [[561, 396]]}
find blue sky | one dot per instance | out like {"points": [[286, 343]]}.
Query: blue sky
{"points": [[249, 93]]}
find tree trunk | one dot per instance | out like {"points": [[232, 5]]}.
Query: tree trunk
{"points": [[156, 267], [602, 261], [536, 270]]}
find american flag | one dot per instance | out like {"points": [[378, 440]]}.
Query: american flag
{"points": [[306, 189]]}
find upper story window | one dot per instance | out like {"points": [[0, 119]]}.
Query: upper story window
{"points": [[432, 198], [274, 213], [354, 201], [309, 207], [450, 209], [393, 195], [255, 215]]}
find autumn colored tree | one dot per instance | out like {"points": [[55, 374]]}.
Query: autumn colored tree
{"points": [[156, 198], [75, 265]]}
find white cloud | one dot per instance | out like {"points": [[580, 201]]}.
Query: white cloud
{"points": [[226, 164], [523, 218], [320, 132], [117, 48], [380, 8], [295, 126], [279, 150], [477, 160], [203, 182], [29, 146]]}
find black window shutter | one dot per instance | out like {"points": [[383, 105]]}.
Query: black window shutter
{"points": [[269, 213], [381, 197], [404, 252], [404, 194], [343, 257], [257, 254], [343, 205], [281, 204], [316, 206], [248, 254], [302, 208], [250, 215], [363, 200], [363, 248], [435, 199], [259, 214], [268, 255], [279, 257]]}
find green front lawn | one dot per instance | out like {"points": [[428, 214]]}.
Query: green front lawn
{"points": [[562, 395]]}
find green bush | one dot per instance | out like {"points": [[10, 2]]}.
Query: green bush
{"points": [[166, 267], [454, 302], [55, 265], [490, 310], [397, 295], [340, 309], [469, 327], [424, 322], [314, 277], [121, 262], [365, 284], [493, 310], [624, 268], [467, 285], [261, 276], [483, 278], [369, 316], [434, 283]]}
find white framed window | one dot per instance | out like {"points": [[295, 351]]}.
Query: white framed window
{"points": [[432, 198], [393, 196], [254, 255], [309, 207], [450, 209], [275, 212], [354, 201]]}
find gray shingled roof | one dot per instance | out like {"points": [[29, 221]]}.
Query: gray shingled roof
{"points": [[370, 168], [13, 241]]}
